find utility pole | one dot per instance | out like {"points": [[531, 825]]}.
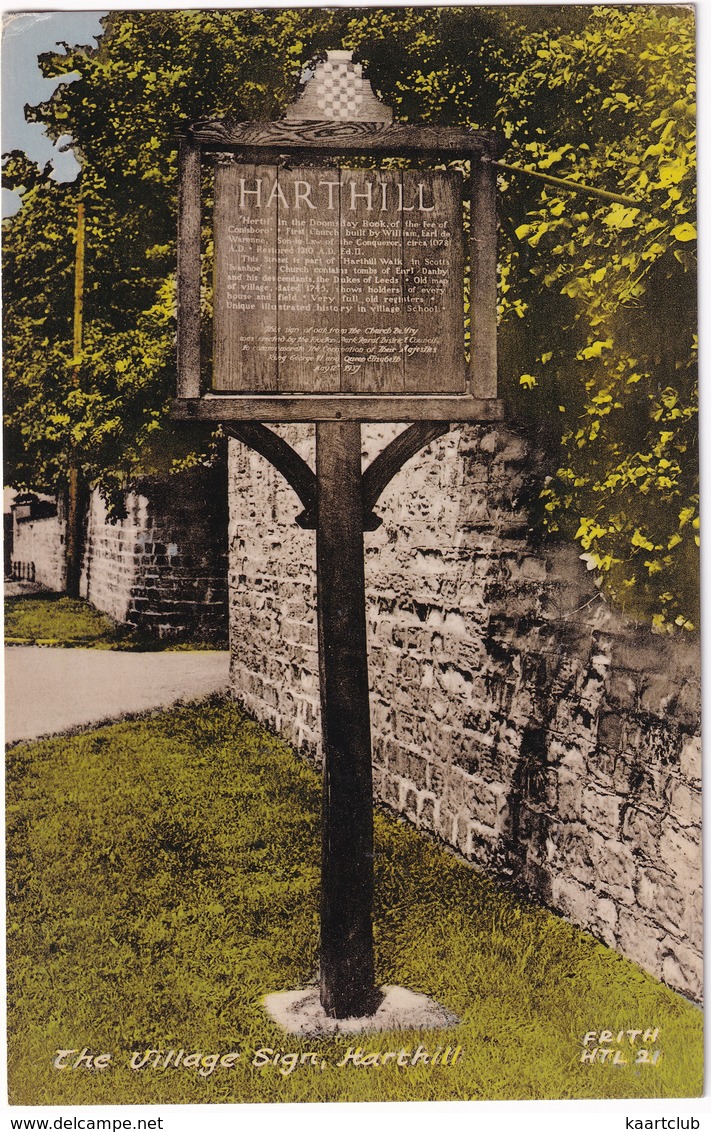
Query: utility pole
{"points": [[74, 516]]}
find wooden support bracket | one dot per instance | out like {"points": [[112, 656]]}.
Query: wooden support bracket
{"points": [[295, 471], [299, 476], [387, 463]]}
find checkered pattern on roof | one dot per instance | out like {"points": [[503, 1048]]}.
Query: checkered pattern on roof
{"points": [[337, 97], [339, 93]]}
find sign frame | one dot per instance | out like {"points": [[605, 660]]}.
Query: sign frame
{"points": [[276, 143]]}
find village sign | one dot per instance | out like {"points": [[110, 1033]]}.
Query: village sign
{"points": [[339, 298]]}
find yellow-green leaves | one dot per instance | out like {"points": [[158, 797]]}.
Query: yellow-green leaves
{"points": [[638, 539], [620, 216], [595, 350], [610, 294], [684, 232]]}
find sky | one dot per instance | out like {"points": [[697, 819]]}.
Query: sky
{"points": [[25, 36]]}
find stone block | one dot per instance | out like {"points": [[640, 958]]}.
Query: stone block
{"points": [[483, 800], [489, 441], [512, 448], [642, 829], [690, 760], [378, 752], [659, 743], [605, 920], [390, 790], [601, 810], [568, 848], [571, 760], [602, 767], [611, 731], [417, 768], [659, 895], [536, 879], [480, 841], [622, 690], [647, 786], [574, 900], [656, 693], [623, 774], [615, 868], [687, 710], [680, 849], [682, 968], [684, 802], [397, 760], [503, 811], [446, 826], [407, 801], [427, 807], [533, 830], [570, 793], [439, 707], [694, 920], [640, 938]]}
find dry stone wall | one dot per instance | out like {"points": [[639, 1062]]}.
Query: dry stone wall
{"points": [[163, 568], [514, 716], [38, 551]]}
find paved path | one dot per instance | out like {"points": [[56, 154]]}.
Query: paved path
{"points": [[51, 690]]}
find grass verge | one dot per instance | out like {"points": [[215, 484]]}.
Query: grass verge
{"points": [[58, 621], [163, 875]]}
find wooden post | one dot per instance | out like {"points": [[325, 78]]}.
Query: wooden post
{"points": [[347, 955], [338, 363], [74, 516], [482, 244], [73, 533], [189, 272]]}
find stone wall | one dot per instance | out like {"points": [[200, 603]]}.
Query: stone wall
{"points": [[38, 551], [163, 568], [514, 715]]}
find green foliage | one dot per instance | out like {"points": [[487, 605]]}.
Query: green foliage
{"points": [[597, 301], [163, 876]]}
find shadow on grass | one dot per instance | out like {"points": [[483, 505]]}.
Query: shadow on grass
{"points": [[57, 621], [164, 875]]}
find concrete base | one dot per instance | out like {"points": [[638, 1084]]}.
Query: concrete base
{"points": [[300, 1012]]}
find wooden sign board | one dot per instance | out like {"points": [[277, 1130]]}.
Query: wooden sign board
{"points": [[339, 292], [335, 280]]}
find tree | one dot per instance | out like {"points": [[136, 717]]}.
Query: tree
{"points": [[600, 300], [596, 299]]}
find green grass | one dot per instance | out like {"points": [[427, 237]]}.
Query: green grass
{"points": [[58, 621], [163, 876]]}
